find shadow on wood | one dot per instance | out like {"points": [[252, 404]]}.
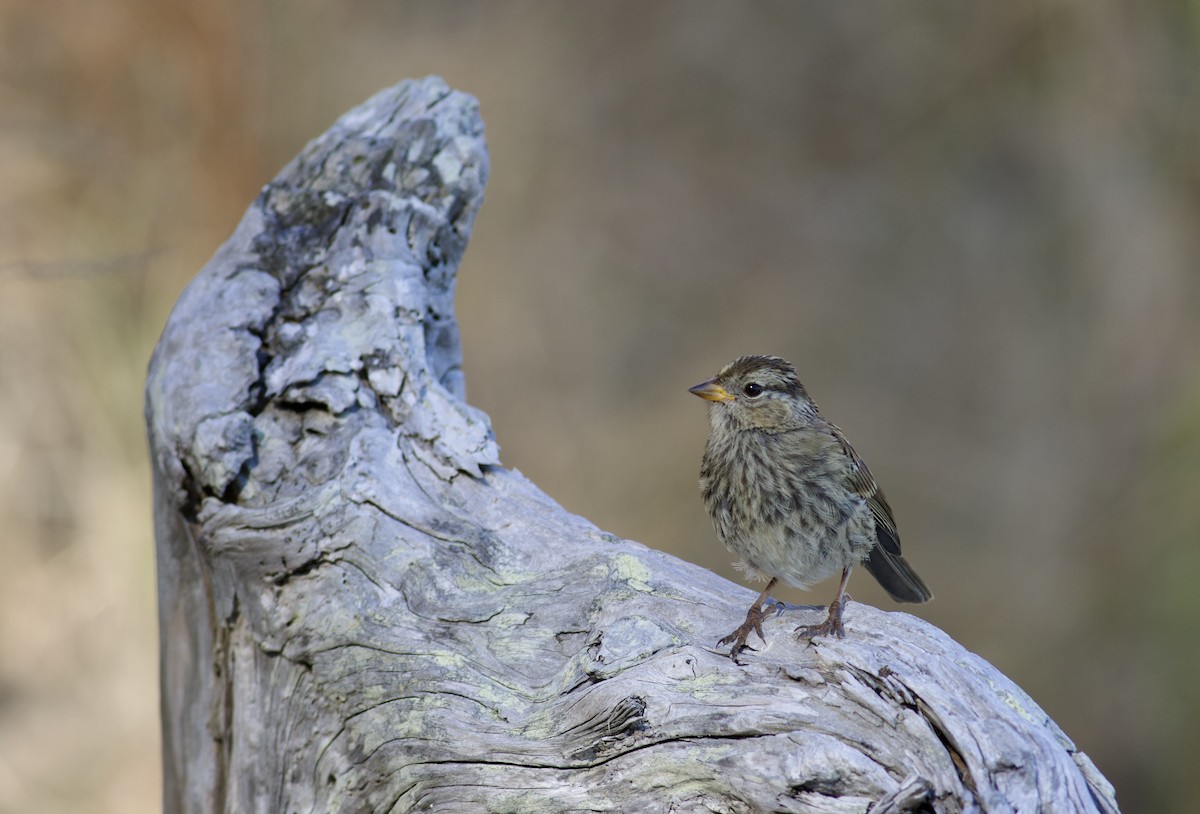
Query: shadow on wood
{"points": [[361, 609]]}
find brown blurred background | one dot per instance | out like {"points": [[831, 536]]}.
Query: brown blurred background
{"points": [[973, 227]]}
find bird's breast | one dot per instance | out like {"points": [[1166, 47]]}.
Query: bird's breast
{"points": [[779, 502]]}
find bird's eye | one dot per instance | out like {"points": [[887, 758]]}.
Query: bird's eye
{"points": [[753, 389]]}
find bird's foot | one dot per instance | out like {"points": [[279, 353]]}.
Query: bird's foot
{"points": [[832, 626], [737, 638], [774, 607]]}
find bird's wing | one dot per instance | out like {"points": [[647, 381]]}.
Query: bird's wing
{"points": [[884, 562], [862, 482]]}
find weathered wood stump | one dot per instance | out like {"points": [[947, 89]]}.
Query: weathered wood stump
{"points": [[362, 611]]}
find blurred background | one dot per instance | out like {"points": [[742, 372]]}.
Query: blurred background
{"points": [[973, 228]]}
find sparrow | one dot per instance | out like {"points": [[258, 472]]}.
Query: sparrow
{"points": [[790, 497]]}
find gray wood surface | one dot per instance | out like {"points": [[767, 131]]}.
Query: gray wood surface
{"points": [[361, 610]]}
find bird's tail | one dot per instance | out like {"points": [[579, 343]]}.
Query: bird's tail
{"points": [[896, 576]]}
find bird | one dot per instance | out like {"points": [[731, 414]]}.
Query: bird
{"points": [[790, 497]]}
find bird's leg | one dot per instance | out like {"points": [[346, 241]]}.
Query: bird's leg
{"points": [[753, 623], [833, 623]]}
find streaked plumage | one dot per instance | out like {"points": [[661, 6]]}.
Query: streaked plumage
{"points": [[788, 494]]}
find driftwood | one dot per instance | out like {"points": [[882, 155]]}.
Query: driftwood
{"points": [[361, 610]]}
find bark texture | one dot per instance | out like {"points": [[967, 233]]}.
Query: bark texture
{"points": [[362, 611]]}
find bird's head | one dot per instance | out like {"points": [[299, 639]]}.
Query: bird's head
{"points": [[758, 392]]}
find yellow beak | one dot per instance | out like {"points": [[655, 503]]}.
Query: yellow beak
{"points": [[711, 391]]}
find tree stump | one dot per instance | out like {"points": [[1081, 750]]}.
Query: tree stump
{"points": [[361, 610]]}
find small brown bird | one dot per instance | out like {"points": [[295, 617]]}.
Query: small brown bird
{"points": [[789, 496]]}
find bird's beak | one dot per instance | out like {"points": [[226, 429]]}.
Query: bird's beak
{"points": [[711, 391]]}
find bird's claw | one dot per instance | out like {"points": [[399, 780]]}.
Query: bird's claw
{"points": [[832, 626], [737, 638], [739, 644], [827, 628], [774, 607]]}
